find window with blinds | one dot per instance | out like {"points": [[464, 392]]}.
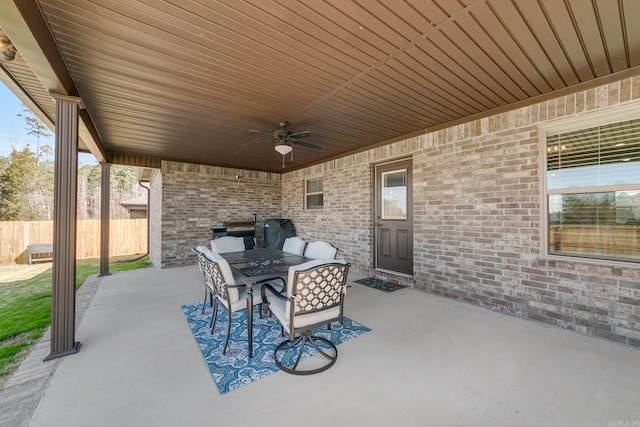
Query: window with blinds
{"points": [[314, 193], [593, 191]]}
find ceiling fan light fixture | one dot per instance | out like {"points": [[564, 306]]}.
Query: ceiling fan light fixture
{"points": [[283, 148]]}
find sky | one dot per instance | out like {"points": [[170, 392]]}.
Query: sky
{"points": [[13, 129]]}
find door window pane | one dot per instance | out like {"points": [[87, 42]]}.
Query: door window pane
{"points": [[394, 195]]}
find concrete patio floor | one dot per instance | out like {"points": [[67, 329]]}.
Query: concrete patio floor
{"points": [[427, 361]]}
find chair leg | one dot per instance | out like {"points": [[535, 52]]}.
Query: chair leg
{"points": [[226, 341], [287, 351], [214, 316], [206, 294]]}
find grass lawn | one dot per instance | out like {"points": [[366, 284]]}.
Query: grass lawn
{"points": [[25, 309]]}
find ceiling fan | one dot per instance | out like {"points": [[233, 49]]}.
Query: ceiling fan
{"points": [[286, 139]]}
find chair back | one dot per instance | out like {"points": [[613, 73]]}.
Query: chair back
{"points": [[200, 257], [218, 272], [321, 250], [294, 245], [315, 292], [226, 244]]}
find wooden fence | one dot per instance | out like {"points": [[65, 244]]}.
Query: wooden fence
{"points": [[126, 236]]}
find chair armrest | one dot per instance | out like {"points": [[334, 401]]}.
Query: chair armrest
{"points": [[282, 279], [271, 289]]}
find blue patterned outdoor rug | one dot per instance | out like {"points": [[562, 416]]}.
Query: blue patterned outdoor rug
{"points": [[379, 284], [235, 369]]}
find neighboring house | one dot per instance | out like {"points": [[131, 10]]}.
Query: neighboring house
{"points": [[137, 206]]}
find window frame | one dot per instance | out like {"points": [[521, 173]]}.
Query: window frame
{"points": [[597, 118], [307, 194]]}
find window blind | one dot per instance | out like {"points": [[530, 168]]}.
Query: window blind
{"points": [[596, 156]]}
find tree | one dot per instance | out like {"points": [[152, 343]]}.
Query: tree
{"points": [[36, 128], [26, 182], [124, 185], [89, 183], [17, 187], [43, 173]]}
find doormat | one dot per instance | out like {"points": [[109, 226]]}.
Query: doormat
{"points": [[379, 284]]}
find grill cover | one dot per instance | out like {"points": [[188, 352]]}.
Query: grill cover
{"points": [[276, 231]]}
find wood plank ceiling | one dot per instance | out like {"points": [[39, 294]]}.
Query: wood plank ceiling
{"points": [[203, 81]]}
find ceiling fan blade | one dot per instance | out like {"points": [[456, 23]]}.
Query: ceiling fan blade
{"points": [[308, 145], [302, 134]]}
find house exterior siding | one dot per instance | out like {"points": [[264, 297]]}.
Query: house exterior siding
{"points": [[476, 216]]}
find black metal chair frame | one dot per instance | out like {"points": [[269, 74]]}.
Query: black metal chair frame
{"points": [[208, 287], [220, 291], [305, 300], [214, 287]]}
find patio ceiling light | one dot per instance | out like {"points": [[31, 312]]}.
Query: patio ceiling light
{"points": [[283, 148]]}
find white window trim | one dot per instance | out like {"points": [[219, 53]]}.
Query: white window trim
{"points": [[585, 120], [311, 178]]}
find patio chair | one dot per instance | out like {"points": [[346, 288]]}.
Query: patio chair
{"points": [[226, 244], [202, 253], [294, 245], [227, 294], [314, 297], [321, 250]]}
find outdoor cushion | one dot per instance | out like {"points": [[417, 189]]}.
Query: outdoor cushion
{"points": [[320, 250], [294, 245], [227, 275], [227, 244]]}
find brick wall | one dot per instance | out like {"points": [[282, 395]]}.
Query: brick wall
{"points": [[347, 218], [476, 219], [194, 197]]}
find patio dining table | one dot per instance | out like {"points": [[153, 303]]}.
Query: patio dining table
{"points": [[257, 265]]}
